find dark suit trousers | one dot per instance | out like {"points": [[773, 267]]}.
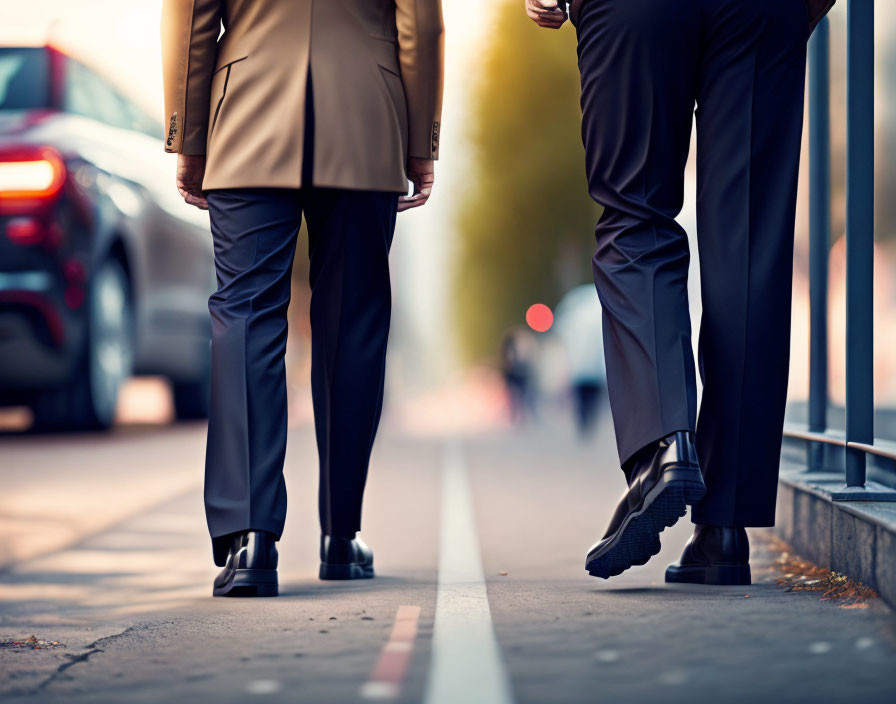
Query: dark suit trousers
{"points": [[645, 64], [255, 232]]}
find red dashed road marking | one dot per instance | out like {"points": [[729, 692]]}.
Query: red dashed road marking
{"points": [[388, 675]]}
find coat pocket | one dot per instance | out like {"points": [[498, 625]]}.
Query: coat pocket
{"points": [[219, 91]]}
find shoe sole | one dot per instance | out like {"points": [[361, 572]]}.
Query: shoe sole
{"points": [[637, 540], [720, 575], [250, 583], [353, 571]]}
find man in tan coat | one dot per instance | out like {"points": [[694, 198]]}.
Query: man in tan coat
{"points": [[325, 108]]}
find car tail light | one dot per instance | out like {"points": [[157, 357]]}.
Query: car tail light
{"points": [[74, 271], [30, 174], [25, 230]]}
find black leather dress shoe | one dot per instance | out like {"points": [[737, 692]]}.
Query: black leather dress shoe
{"points": [[662, 483], [251, 567], [345, 558], [713, 555]]}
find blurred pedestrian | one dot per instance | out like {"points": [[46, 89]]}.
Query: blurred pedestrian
{"points": [[577, 324], [518, 352], [325, 109], [644, 65]]}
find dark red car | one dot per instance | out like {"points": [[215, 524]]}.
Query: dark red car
{"points": [[104, 271]]}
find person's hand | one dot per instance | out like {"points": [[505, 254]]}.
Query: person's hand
{"points": [[422, 174], [190, 170], [546, 13]]}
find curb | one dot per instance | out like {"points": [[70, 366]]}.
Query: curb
{"points": [[855, 538]]}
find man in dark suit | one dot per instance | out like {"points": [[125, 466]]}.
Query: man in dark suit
{"points": [[299, 106], [644, 65]]}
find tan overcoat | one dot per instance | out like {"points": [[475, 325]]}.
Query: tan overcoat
{"points": [[239, 96]]}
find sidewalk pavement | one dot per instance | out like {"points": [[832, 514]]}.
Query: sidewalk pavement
{"points": [[131, 602], [57, 489]]}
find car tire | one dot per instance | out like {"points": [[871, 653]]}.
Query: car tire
{"points": [[90, 399]]}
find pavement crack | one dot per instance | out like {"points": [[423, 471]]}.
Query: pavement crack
{"points": [[91, 649], [106, 640], [75, 659]]}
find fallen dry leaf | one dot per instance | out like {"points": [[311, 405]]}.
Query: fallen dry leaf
{"points": [[31, 643], [799, 575]]}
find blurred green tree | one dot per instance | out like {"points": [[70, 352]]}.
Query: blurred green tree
{"points": [[526, 223]]}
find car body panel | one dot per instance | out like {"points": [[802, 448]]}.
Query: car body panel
{"points": [[118, 200]]}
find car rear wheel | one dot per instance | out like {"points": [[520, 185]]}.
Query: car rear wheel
{"points": [[90, 398]]}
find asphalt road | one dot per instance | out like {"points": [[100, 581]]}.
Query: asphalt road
{"points": [[480, 596]]}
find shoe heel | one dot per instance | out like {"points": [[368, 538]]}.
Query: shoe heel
{"points": [[252, 590], [694, 493], [255, 577], [728, 574], [689, 480], [334, 572], [249, 583], [718, 575]]}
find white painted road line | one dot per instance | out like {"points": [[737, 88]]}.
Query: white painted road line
{"points": [[466, 661]]}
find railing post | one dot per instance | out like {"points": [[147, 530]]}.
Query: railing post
{"points": [[819, 233], [859, 234]]}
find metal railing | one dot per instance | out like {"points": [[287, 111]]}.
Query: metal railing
{"points": [[858, 440]]}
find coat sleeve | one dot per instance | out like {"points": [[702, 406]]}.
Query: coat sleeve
{"points": [[190, 30], [421, 57]]}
